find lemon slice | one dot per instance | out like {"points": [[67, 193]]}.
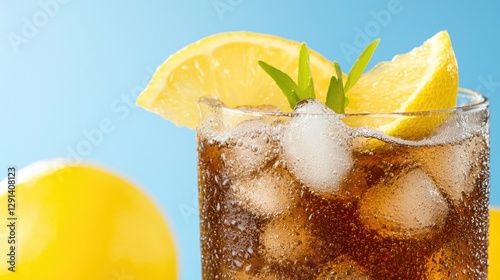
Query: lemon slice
{"points": [[494, 248], [424, 79], [225, 66]]}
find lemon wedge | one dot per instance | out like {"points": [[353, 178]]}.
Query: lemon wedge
{"points": [[425, 78], [225, 66]]}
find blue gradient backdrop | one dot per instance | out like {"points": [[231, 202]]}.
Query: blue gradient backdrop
{"points": [[66, 67]]}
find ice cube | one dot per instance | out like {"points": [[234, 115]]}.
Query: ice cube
{"points": [[448, 166], [267, 193], [249, 147], [372, 167], [315, 146], [454, 167], [408, 205], [287, 238], [461, 126], [342, 268]]}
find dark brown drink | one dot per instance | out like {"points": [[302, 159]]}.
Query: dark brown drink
{"points": [[305, 196]]}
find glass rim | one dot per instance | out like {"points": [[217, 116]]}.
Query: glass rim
{"points": [[478, 101]]}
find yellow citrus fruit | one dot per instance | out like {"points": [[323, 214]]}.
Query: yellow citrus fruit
{"points": [[81, 222], [425, 78], [225, 66], [494, 249]]}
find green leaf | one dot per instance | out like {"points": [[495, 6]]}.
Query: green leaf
{"points": [[360, 64], [305, 81], [335, 97], [332, 96], [308, 92], [284, 82], [346, 101]]}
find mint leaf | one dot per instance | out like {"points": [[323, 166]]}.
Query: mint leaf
{"points": [[332, 99], [284, 82], [305, 81], [360, 64], [308, 92], [335, 97]]}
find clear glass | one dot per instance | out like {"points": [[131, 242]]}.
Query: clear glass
{"points": [[328, 196]]}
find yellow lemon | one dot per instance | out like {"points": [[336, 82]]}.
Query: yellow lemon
{"points": [[225, 66], [494, 249], [426, 78], [80, 222]]}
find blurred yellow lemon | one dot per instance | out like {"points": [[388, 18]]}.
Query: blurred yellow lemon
{"points": [[494, 249], [81, 222]]}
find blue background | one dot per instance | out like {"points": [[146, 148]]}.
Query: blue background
{"points": [[66, 69]]}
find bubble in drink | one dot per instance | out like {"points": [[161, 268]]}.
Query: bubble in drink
{"points": [[450, 262], [243, 275], [239, 230], [315, 145], [443, 265], [342, 268], [408, 205]]}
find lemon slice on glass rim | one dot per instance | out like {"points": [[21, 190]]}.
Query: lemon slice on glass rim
{"points": [[225, 66], [424, 79]]}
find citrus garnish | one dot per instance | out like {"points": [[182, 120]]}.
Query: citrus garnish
{"points": [[225, 66], [424, 79], [304, 88]]}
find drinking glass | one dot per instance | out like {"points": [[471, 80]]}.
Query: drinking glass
{"points": [[318, 195]]}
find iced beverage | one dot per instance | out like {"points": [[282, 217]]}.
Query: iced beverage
{"points": [[318, 195]]}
